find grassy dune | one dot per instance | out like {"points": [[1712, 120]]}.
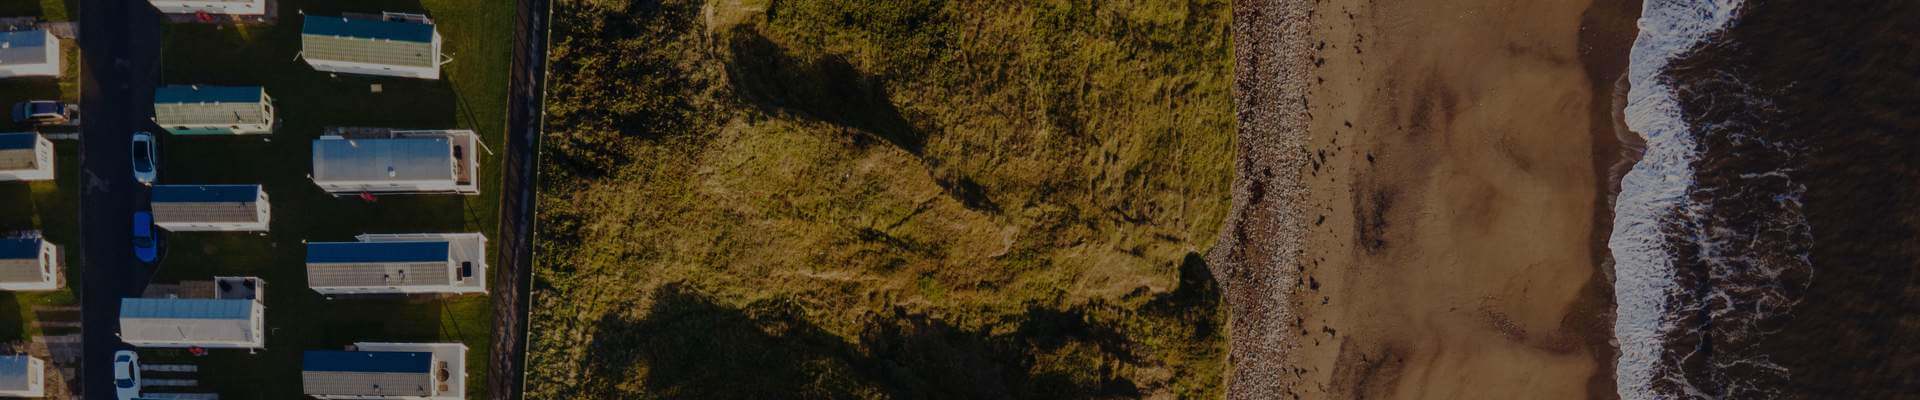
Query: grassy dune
{"points": [[881, 199]]}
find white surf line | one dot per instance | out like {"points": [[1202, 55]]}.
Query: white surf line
{"points": [[1656, 186]]}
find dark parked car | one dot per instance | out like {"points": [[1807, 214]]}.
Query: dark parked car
{"points": [[45, 112]]}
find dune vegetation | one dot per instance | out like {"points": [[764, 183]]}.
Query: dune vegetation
{"points": [[882, 199]]}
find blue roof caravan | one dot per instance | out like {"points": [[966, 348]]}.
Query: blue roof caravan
{"points": [[25, 156], [213, 110], [29, 53], [231, 316], [184, 208], [221, 7], [399, 263], [390, 44], [29, 264], [373, 370], [22, 376]]}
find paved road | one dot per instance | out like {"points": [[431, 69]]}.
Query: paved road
{"points": [[120, 48], [511, 284]]}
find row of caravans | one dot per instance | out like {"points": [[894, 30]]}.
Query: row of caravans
{"points": [[28, 262], [230, 312]]}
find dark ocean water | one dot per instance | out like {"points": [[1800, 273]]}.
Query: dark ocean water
{"points": [[1795, 262]]}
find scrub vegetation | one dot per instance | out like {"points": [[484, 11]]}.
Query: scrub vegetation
{"points": [[882, 199]]}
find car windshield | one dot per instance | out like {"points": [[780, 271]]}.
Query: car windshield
{"points": [[140, 161], [46, 108], [123, 383], [123, 358]]}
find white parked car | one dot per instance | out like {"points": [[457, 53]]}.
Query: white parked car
{"points": [[145, 158], [126, 375]]}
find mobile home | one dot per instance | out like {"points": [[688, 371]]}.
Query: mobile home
{"points": [[403, 263], [213, 110], [25, 156], [234, 317], [210, 207], [397, 162], [32, 52], [22, 376], [369, 370], [221, 7], [391, 44], [29, 264]]}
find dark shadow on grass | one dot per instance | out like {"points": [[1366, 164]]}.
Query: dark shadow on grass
{"points": [[689, 346], [830, 89], [695, 348], [1195, 303], [1197, 290], [17, 199], [21, 8], [12, 328], [826, 88], [969, 193]]}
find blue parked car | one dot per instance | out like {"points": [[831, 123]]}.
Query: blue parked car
{"points": [[145, 246]]}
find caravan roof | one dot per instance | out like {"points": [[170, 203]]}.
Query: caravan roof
{"points": [[206, 193], [375, 160], [208, 105], [376, 252], [368, 41], [368, 373], [14, 373], [23, 47], [20, 260]]}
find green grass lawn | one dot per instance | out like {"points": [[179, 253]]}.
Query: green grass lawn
{"points": [[471, 95]]}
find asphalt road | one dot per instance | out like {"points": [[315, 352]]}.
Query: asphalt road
{"points": [[511, 284], [120, 43]]}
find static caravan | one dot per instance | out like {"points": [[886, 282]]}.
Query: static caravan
{"points": [[220, 7], [29, 264], [183, 208], [33, 52], [398, 162], [25, 156], [213, 110], [405, 263], [386, 371], [391, 44], [22, 376], [234, 318]]}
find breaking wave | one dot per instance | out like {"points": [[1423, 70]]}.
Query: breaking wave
{"points": [[1654, 208]]}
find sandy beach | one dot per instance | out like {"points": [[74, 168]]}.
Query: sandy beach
{"points": [[1447, 199]]}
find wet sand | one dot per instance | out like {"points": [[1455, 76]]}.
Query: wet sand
{"points": [[1455, 160]]}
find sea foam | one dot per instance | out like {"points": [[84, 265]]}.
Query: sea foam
{"points": [[1656, 188]]}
